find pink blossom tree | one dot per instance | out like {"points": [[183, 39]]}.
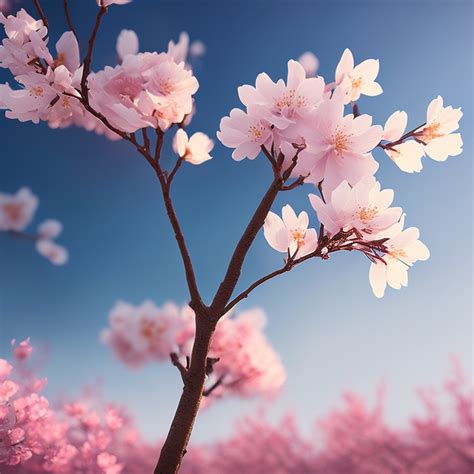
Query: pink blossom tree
{"points": [[301, 126], [92, 436]]}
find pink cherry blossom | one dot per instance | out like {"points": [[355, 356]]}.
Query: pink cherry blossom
{"points": [[358, 80], [309, 62], [127, 43], [245, 133], [197, 49], [194, 150], [403, 250], [139, 334], [23, 350], [179, 51], [290, 234], [248, 365], [53, 252], [364, 207], [17, 210], [50, 229], [406, 155], [437, 135], [339, 147], [283, 104], [147, 89]]}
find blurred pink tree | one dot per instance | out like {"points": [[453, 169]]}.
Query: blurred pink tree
{"points": [[90, 436]]}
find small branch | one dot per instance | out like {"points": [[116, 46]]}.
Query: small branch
{"points": [[216, 384], [411, 133], [271, 159], [88, 59], [176, 362], [260, 281], [179, 161], [146, 139], [41, 13], [355, 110], [297, 182], [69, 19], [210, 362]]}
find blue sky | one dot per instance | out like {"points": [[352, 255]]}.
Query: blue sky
{"points": [[331, 332]]}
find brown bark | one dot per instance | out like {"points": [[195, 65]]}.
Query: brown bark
{"points": [[177, 440]]}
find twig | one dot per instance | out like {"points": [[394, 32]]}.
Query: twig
{"points": [[179, 161], [69, 19], [176, 362], [88, 59], [216, 384], [41, 13]]}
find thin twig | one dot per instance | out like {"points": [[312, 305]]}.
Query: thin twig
{"points": [[90, 49], [216, 384], [67, 14], [179, 161], [41, 13], [176, 362]]}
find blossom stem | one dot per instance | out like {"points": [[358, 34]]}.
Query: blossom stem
{"points": [[67, 14], [41, 13], [90, 49]]}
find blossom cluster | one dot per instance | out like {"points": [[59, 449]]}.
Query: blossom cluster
{"points": [[301, 124], [353, 438], [83, 436], [143, 90], [91, 436], [247, 365], [16, 214]]}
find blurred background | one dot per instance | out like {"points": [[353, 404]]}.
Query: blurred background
{"points": [[323, 319]]}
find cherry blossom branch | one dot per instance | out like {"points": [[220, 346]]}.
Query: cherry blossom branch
{"points": [[215, 385], [41, 13], [412, 133], [179, 161], [88, 59], [69, 19]]}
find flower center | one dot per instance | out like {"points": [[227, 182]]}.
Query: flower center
{"points": [[298, 236], [356, 83], [430, 132], [366, 214], [397, 254], [286, 100], [255, 132], [341, 142], [37, 91], [13, 211]]}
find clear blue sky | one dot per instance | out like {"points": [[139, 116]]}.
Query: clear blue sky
{"points": [[331, 332]]}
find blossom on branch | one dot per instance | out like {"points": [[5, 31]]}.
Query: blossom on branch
{"points": [[358, 80], [17, 212], [437, 135], [247, 364], [194, 150], [364, 207], [402, 249], [291, 234]]}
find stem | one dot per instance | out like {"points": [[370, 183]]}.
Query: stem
{"points": [[67, 14], [41, 13], [174, 447]]}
